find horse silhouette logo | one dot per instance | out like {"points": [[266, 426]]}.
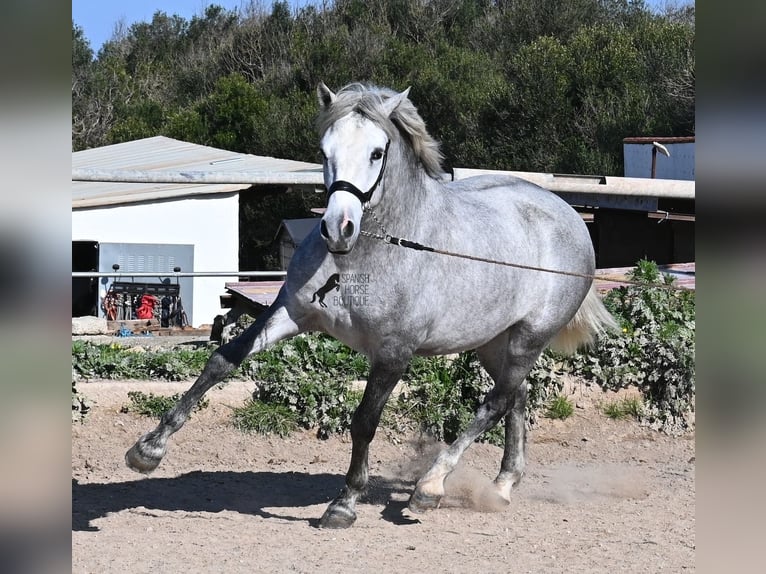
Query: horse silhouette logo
{"points": [[332, 283]]}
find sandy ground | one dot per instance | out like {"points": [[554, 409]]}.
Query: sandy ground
{"points": [[599, 496]]}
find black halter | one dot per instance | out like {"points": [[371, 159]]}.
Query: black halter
{"points": [[363, 196]]}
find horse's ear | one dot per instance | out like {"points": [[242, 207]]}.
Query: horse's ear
{"points": [[394, 101], [325, 95]]}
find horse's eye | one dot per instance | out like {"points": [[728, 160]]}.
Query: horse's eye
{"points": [[376, 154]]}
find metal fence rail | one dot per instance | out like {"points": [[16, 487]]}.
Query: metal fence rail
{"points": [[564, 183], [597, 184], [119, 274]]}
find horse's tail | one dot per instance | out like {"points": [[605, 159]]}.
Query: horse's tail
{"points": [[591, 320]]}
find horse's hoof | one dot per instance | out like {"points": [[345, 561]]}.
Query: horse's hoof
{"points": [[421, 502], [139, 459], [504, 488], [337, 516]]}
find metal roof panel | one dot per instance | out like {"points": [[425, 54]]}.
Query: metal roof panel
{"points": [[161, 153]]}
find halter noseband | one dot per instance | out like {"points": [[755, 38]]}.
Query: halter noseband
{"points": [[363, 196]]}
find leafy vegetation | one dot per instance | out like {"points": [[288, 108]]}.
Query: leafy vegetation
{"points": [[155, 406], [443, 393], [311, 376], [535, 85], [626, 407], [115, 362], [265, 418], [655, 350], [559, 407]]}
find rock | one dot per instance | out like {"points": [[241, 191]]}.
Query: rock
{"points": [[89, 325]]}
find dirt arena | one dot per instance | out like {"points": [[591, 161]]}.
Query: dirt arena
{"points": [[599, 496]]}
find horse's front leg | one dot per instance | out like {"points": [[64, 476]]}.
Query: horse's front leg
{"points": [[273, 325], [382, 380]]}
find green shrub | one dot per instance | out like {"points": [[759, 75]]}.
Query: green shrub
{"points": [[443, 394], [544, 382], [559, 407], [620, 409], [117, 362], [98, 361], [155, 406], [265, 418], [310, 375], [655, 350]]}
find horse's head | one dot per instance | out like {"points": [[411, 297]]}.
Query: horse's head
{"points": [[354, 142]]}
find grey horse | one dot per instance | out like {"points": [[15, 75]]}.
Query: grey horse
{"points": [[384, 178]]}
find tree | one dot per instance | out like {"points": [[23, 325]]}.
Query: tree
{"points": [[82, 60], [82, 54], [513, 84], [97, 86]]}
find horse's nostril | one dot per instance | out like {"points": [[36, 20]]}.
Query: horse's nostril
{"points": [[348, 229], [323, 230]]}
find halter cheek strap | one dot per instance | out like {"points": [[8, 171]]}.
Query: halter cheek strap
{"points": [[363, 196]]}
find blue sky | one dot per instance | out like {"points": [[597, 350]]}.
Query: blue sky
{"points": [[99, 17]]}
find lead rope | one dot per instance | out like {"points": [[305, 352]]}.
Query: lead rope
{"points": [[387, 238]]}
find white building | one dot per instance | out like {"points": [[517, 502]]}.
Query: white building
{"points": [[156, 227], [640, 152]]}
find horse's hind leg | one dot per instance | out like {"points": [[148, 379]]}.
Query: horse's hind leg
{"points": [[382, 380], [515, 448], [508, 365], [273, 325]]}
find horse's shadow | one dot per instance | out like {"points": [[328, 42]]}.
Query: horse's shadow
{"points": [[243, 492]]}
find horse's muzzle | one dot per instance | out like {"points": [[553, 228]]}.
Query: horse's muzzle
{"points": [[341, 242], [340, 225]]}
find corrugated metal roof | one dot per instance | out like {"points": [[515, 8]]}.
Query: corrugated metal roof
{"points": [[161, 153]]}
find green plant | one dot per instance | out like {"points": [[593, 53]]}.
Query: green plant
{"points": [[174, 365], [443, 394], [559, 407], [98, 361], [544, 381], [655, 349], [117, 362], [626, 407], [265, 418], [155, 406], [310, 375]]}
